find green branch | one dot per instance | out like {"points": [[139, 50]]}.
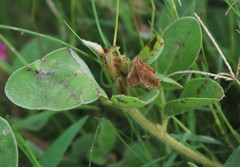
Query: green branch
{"points": [[160, 133]]}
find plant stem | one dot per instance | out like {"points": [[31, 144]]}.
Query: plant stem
{"points": [[220, 127], [232, 8], [116, 28], [98, 24], [116, 24], [135, 24], [16, 53], [23, 145], [73, 21], [234, 133], [163, 136], [181, 125], [152, 17], [42, 36], [174, 9]]}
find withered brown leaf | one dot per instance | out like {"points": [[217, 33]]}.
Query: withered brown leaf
{"points": [[142, 75]]}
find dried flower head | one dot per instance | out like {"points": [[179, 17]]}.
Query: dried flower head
{"points": [[142, 75]]}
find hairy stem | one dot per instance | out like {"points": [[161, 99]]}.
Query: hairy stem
{"points": [[163, 136]]}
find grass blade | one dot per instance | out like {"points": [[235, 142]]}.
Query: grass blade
{"points": [[53, 156]]}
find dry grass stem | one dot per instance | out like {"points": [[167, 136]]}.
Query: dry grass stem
{"points": [[217, 47], [225, 76], [232, 4]]}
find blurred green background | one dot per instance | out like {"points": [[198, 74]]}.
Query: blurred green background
{"points": [[47, 17]]}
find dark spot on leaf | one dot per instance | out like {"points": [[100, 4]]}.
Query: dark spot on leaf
{"points": [[198, 91], [179, 44], [98, 91], [72, 95], [136, 101], [69, 50], [80, 71], [152, 43], [43, 60], [178, 57], [122, 101], [161, 44], [41, 74], [6, 131], [76, 96], [65, 85], [184, 101], [205, 81], [188, 34], [28, 69], [201, 88]]}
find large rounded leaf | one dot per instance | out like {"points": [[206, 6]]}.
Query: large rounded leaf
{"points": [[196, 93], [8, 145], [59, 81], [182, 43]]}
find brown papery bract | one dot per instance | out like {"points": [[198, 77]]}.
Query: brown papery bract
{"points": [[142, 75]]}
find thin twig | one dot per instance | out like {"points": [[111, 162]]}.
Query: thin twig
{"points": [[217, 47], [233, 3], [225, 76], [238, 68], [116, 24], [153, 17], [180, 3]]}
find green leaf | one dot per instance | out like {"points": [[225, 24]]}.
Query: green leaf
{"points": [[54, 154], [168, 83], [68, 163], [233, 160], [105, 142], [98, 157], [196, 93], [35, 49], [25, 148], [182, 43], [135, 155], [152, 50], [8, 145], [84, 142], [36, 150], [35, 122], [190, 164], [127, 162], [198, 138], [132, 102], [202, 88], [59, 81], [107, 136]]}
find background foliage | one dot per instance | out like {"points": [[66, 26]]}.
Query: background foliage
{"points": [[107, 136]]}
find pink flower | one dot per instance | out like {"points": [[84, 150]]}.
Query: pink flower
{"points": [[145, 31], [3, 51]]}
